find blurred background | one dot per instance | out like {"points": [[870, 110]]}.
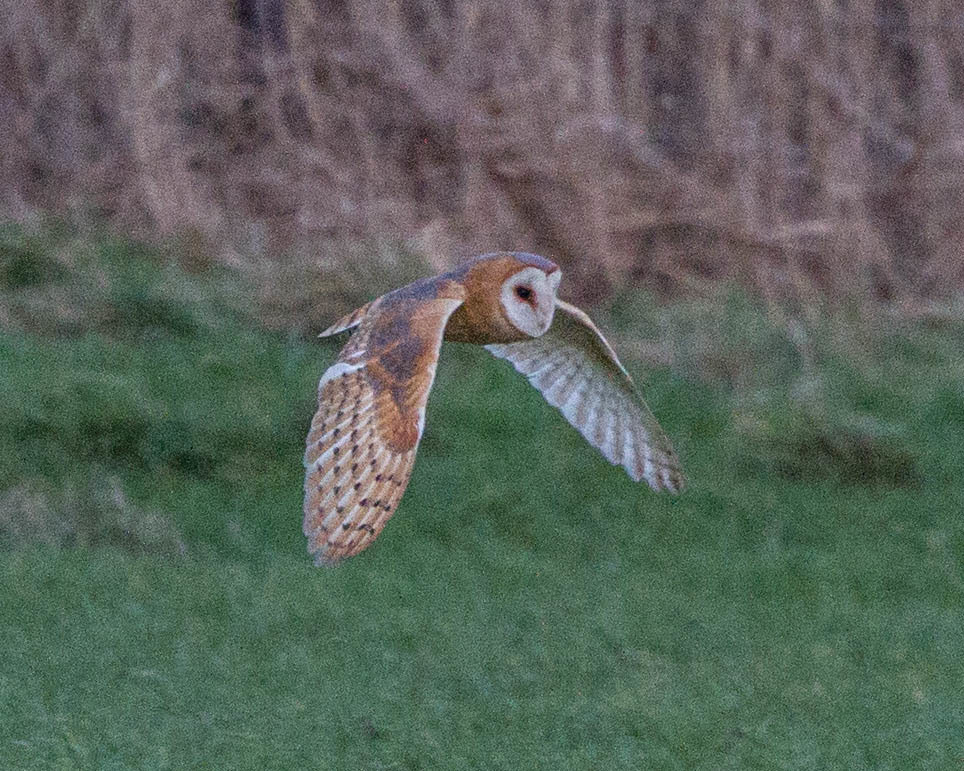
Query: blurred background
{"points": [[783, 145], [759, 203]]}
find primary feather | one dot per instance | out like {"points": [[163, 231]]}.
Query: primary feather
{"points": [[578, 372]]}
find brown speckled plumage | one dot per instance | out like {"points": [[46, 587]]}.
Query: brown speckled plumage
{"points": [[371, 408], [371, 401]]}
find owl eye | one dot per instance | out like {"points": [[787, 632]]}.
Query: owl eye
{"points": [[523, 293]]}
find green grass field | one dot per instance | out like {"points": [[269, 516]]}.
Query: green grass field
{"points": [[800, 606]]}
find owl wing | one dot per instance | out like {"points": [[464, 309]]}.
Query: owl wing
{"points": [[350, 321], [371, 412], [578, 372]]}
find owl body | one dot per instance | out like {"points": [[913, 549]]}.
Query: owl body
{"points": [[371, 402]]}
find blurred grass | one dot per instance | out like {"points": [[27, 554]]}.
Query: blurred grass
{"points": [[800, 606]]}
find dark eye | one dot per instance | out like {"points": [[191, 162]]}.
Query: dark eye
{"points": [[523, 293]]}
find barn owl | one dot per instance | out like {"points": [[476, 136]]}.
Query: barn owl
{"points": [[371, 401]]}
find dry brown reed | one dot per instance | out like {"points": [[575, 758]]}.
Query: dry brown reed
{"points": [[787, 145]]}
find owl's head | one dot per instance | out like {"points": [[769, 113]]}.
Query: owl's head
{"points": [[528, 296], [509, 296]]}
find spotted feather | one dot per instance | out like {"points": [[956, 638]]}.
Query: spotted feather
{"points": [[364, 435]]}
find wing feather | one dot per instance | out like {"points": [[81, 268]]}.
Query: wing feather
{"points": [[371, 410], [619, 438], [559, 391], [604, 431], [548, 373], [578, 372], [347, 322]]}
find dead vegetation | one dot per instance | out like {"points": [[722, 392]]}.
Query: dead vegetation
{"points": [[789, 146], [99, 514]]}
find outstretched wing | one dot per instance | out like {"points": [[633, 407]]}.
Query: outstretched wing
{"points": [[371, 411], [578, 372]]}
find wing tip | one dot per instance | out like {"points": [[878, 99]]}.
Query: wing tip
{"points": [[348, 321], [334, 329], [329, 546], [673, 485], [662, 478], [326, 554], [323, 559]]}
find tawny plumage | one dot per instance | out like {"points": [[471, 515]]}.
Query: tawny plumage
{"points": [[371, 401]]}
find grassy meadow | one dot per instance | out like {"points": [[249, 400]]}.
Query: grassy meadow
{"points": [[800, 606]]}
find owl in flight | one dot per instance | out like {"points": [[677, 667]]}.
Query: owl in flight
{"points": [[371, 402]]}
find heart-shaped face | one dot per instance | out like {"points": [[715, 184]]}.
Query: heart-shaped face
{"points": [[529, 299]]}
